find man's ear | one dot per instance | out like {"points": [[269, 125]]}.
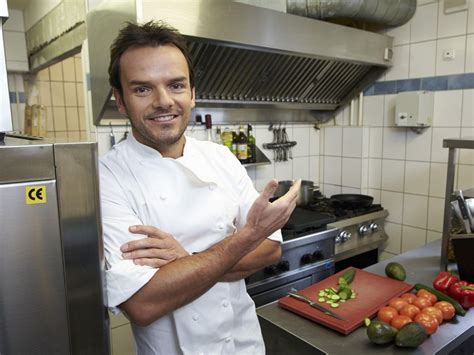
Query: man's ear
{"points": [[193, 95], [119, 102]]}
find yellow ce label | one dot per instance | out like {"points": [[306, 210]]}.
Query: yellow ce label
{"points": [[35, 195]]}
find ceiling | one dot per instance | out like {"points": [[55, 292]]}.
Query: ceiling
{"points": [[18, 4]]}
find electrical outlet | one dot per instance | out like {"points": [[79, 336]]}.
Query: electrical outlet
{"points": [[449, 54]]}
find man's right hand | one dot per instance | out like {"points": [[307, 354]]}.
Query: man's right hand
{"points": [[266, 217]]}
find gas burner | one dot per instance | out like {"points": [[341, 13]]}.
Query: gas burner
{"points": [[304, 221], [341, 210]]}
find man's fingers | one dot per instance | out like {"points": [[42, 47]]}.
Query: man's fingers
{"points": [[150, 230], [144, 243], [269, 189]]}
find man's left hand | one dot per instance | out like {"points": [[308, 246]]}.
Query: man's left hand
{"points": [[159, 249]]}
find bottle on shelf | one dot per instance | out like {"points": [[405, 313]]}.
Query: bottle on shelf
{"points": [[209, 128], [234, 143], [198, 120], [242, 146], [227, 138], [251, 149], [219, 136]]}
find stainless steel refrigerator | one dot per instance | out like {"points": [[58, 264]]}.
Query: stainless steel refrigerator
{"points": [[51, 258]]}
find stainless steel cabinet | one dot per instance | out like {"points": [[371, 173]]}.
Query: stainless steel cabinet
{"points": [[51, 259]]}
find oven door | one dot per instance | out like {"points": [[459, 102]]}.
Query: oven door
{"points": [[274, 288]]}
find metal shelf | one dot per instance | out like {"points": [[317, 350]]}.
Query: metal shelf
{"points": [[453, 145], [261, 159]]}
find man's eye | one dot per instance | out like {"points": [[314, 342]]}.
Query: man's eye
{"points": [[177, 86], [141, 90]]}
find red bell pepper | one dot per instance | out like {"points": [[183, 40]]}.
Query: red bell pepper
{"points": [[463, 292], [444, 280]]}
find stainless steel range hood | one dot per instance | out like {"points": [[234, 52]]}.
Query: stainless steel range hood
{"points": [[247, 56]]}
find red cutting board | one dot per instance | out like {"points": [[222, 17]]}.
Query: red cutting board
{"points": [[373, 291]]}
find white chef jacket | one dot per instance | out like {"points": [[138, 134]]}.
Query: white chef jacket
{"points": [[200, 198]]}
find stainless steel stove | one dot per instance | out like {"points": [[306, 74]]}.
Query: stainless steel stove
{"points": [[319, 240]]}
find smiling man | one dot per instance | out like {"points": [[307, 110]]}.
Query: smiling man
{"points": [[183, 224]]}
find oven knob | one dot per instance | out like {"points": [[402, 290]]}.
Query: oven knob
{"points": [[317, 255], [346, 236], [340, 237], [364, 230], [374, 227], [306, 259], [283, 265], [271, 270]]}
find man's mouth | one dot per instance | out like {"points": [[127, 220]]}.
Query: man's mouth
{"points": [[162, 118]]}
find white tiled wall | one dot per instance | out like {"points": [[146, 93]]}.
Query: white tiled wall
{"points": [[407, 171]]}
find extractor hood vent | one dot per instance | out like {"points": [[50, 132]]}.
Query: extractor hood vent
{"points": [[247, 56], [236, 75]]}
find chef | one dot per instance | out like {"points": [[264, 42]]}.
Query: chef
{"points": [[183, 224]]}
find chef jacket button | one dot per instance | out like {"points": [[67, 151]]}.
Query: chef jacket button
{"points": [[220, 226], [227, 340], [195, 317], [162, 197], [212, 187], [225, 303]]}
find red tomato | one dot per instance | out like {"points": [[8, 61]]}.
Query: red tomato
{"points": [[446, 308], [399, 321], [410, 310], [427, 321], [435, 312], [386, 314], [427, 294], [409, 297], [397, 303], [422, 302]]}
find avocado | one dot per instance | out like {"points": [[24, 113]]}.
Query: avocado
{"points": [[395, 271], [411, 335], [380, 332]]}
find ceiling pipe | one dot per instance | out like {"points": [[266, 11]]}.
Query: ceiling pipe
{"points": [[386, 13]]}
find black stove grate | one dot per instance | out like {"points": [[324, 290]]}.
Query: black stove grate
{"points": [[315, 217]]}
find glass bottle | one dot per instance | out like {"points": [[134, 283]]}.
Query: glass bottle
{"points": [[209, 128], [234, 143], [227, 138], [242, 146], [219, 136], [251, 148]]}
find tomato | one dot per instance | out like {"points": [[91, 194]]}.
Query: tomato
{"points": [[386, 314], [446, 308], [410, 310], [427, 294], [422, 302], [427, 321], [435, 312], [399, 321], [397, 303], [409, 297]]}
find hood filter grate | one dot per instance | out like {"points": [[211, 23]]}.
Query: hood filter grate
{"points": [[229, 74]]}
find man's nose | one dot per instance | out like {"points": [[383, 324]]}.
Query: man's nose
{"points": [[162, 98]]}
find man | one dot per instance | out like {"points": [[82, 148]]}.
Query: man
{"points": [[182, 222]]}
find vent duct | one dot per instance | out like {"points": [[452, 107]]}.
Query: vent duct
{"points": [[386, 13]]}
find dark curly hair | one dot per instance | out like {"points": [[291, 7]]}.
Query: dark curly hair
{"points": [[150, 34]]}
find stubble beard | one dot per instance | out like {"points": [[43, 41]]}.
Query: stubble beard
{"points": [[157, 142]]}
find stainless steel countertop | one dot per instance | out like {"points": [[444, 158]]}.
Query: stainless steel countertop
{"points": [[422, 266]]}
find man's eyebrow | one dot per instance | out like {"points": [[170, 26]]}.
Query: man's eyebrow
{"points": [[138, 82]]}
